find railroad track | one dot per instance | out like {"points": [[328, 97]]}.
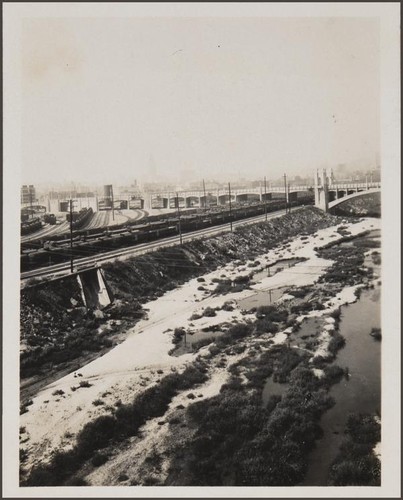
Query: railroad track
{"points": [[83, 263]]}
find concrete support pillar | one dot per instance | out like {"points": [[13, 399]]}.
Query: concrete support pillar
{"points": [[321, 190]]}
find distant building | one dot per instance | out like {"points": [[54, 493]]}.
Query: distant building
{"points": [[28, 194]]}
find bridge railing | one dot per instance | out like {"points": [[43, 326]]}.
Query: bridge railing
{"points": [[357, 185]]}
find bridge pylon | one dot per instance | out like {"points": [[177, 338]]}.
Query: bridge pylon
{"points": [[322, 189]]}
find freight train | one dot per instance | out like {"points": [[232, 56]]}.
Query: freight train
{"points": [[79, 218], [92, 242], [30, 225]]}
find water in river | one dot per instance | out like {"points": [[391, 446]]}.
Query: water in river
{"points": [[272, 269], [361, 393], [261, 298]]}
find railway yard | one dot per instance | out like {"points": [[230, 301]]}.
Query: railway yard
{"points": [[90, 239]]}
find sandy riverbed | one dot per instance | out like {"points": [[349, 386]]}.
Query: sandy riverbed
{"points": [[143, 358]]}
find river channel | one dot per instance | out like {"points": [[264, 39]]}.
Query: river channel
{"points": [[361, 392]]}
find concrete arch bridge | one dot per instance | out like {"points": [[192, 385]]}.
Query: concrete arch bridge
{"points": [[329, 194], [221, 197]]}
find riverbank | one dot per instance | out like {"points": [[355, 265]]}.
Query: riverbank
{"points": [[53, 421], [58, 334]]}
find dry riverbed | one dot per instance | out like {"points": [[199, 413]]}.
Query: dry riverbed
{"points": [[148, 354]]}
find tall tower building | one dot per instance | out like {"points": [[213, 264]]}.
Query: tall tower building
{"points": [[28, 194]]}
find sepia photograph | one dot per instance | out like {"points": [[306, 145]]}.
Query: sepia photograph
{"points": [[201, 250]]}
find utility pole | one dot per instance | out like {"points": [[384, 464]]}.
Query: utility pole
{"points": [[265, 199], [285, 192], [71, 235], [230, 206], [288, 197], [205, 197], [179, 219]]}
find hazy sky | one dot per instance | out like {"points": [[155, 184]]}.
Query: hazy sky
{"points": [[104, 99]]}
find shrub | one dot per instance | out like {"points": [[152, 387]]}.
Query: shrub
{"points": [[225, 286], [336, 343], [23, 455], [209, 312], [264, 325], [85, 383], [179, 333], [242, 280], [95, 435], [202, 343], [272, 313], [58, 392], [195, 316], [99, 459]]}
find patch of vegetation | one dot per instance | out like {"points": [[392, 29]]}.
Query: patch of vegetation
{"points": [[356, 463], [179, 333], [234, 333], [99, 459], [348, 267], [336, 342], [84, 383], [107, 429], [209, 312], [198, 344], [366, 243], [376, 258], [195, 316], [237, 437], [301, 292], [272, 313], [58, 392]]}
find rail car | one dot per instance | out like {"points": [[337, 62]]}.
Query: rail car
{"points": [[79, 218], [87, 243], [30, 226]]}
